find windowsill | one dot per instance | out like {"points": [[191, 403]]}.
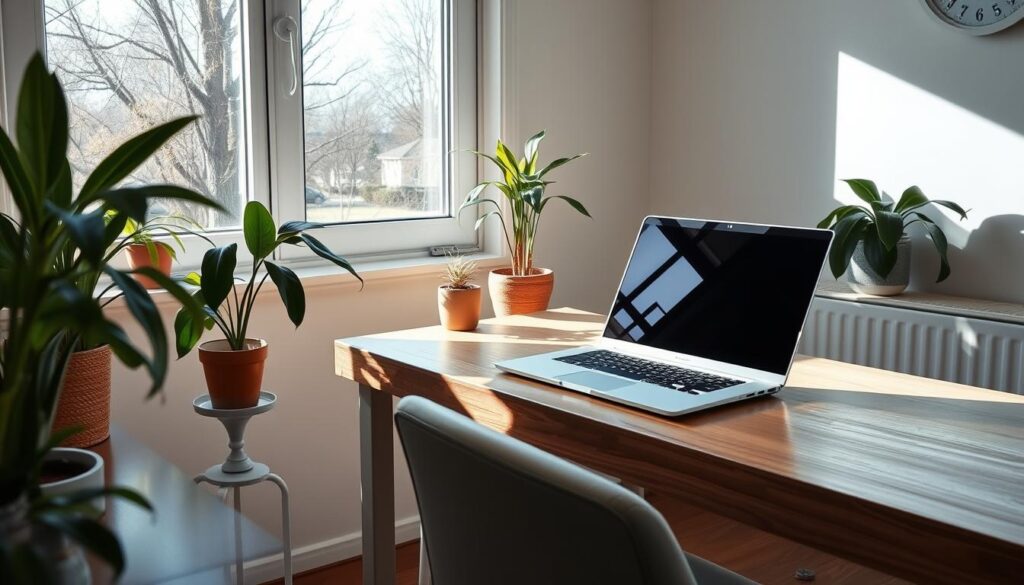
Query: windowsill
{"points": [[928, 302], [320, 273]]}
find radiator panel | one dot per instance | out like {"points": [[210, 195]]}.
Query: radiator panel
{"points": [[970, 351]]}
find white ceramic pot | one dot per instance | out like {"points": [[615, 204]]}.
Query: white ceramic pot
{"points": [[91, 478], [863, 278]]}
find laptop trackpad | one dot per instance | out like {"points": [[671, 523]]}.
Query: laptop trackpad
{"points": [[595, 381]]}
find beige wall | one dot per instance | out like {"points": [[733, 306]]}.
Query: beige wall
{"points": [[758, 108], [583, 74]]}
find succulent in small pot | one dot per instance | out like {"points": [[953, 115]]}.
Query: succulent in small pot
{"points": [[233, 366], [520, 288], [458, 300], [143, 248], [871, 246]]}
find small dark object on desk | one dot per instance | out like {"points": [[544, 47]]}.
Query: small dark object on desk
{"points": [[804, 575]]}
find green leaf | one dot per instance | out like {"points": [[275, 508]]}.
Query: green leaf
{"points": [[574, 203], [188, 327], [912, 198], [259, 229], [559, 162], [292, 228], [143, 309], [86, 230], [848, 231], [218, 271], [324, 252], [865, 189], [192, 278], [87, 495], [127, 157], [134, 201], [941, 245], [480, 221], [839, 213], [290, 288], [953, 206], [41, 125], [532, 144], [90, 534], [17, 177], [878, 256], [889, 226]]}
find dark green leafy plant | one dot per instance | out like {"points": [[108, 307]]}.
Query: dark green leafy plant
{"points": [[217, 292], [523, 187], [880, 225], [51, 258]]}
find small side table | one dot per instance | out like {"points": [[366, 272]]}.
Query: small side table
{"points": [[238, 470]]}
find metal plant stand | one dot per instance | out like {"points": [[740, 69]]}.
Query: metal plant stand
{"points": [[238, 471]]}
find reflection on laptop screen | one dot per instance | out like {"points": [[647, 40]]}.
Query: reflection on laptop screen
{"points": [[733, 294]]}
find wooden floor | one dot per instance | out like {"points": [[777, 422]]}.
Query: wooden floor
{"points": [[757, 555]]}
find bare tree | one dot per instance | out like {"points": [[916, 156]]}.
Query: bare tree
{"points": [[161, 59], [410, 85]]}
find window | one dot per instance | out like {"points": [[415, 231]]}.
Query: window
{"points": [[346, 112], [143, 63]]}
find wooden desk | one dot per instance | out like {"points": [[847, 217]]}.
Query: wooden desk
{"points": [[919, 478], [191, 536]]}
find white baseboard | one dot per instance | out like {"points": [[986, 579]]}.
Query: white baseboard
{"points": [[323, 553]]}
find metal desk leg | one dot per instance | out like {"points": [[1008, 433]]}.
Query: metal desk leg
{"points": [[424, 577], [377, 475], [285, 527]]}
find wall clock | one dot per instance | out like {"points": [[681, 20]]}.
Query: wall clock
{"points": [[976, 17]]}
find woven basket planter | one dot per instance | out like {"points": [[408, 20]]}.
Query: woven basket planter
{"points": [[85, 398]]}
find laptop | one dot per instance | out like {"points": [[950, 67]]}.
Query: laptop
{"points": [[707, 313]]}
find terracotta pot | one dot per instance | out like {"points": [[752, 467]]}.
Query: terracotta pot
{"points": [[516, 295], [85, 398], [138, 256], [233, 377], [459, 308]]}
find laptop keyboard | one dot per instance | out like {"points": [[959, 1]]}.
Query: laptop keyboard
{"points": [[642, 370]]}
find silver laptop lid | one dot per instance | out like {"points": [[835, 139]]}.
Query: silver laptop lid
{"points": [[731, 293]]}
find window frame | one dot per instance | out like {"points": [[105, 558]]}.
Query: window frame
{"points": [[268, 171]]}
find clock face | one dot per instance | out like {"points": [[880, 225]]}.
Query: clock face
{"points": [[977, 16]]}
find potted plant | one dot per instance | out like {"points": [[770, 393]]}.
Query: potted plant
{"points": [[458, 300], [871, 245], [143, 248], [85, 397], [234, 365], [521, 287], [49, 257]]}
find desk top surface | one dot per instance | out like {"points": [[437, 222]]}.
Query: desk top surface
{"points": [[190, 536], [949, 454]]}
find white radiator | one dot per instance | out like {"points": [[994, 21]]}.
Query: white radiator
{"points": [[967, 350]]}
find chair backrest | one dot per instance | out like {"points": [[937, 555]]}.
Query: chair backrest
{"points": [[498, 511]]}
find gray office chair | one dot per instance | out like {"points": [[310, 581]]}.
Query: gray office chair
{"points": [[495, 510]]}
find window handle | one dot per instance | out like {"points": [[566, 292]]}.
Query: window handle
{"points": [[284, 30]]}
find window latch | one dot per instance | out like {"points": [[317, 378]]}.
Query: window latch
{"points": [[285, 29]]}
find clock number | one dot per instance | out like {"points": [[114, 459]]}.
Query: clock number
{"points": [[997, 10], [950, 4], [980, 14], [963, 10]]}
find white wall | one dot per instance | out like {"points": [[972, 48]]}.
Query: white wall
{"points": [[583, 74], [759, 107]]}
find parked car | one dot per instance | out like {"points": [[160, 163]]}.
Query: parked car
{"points": [[314, 196]]}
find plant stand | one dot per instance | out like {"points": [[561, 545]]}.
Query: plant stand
{"points": [[238, 471]]}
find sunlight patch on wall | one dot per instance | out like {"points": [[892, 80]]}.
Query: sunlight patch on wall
{"points": [[899, 135]]}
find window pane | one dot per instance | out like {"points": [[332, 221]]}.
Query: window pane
{"points": [[128, 65], [372, 106]]}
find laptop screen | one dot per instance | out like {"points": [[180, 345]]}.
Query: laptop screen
{"points": [[735, 293]]}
